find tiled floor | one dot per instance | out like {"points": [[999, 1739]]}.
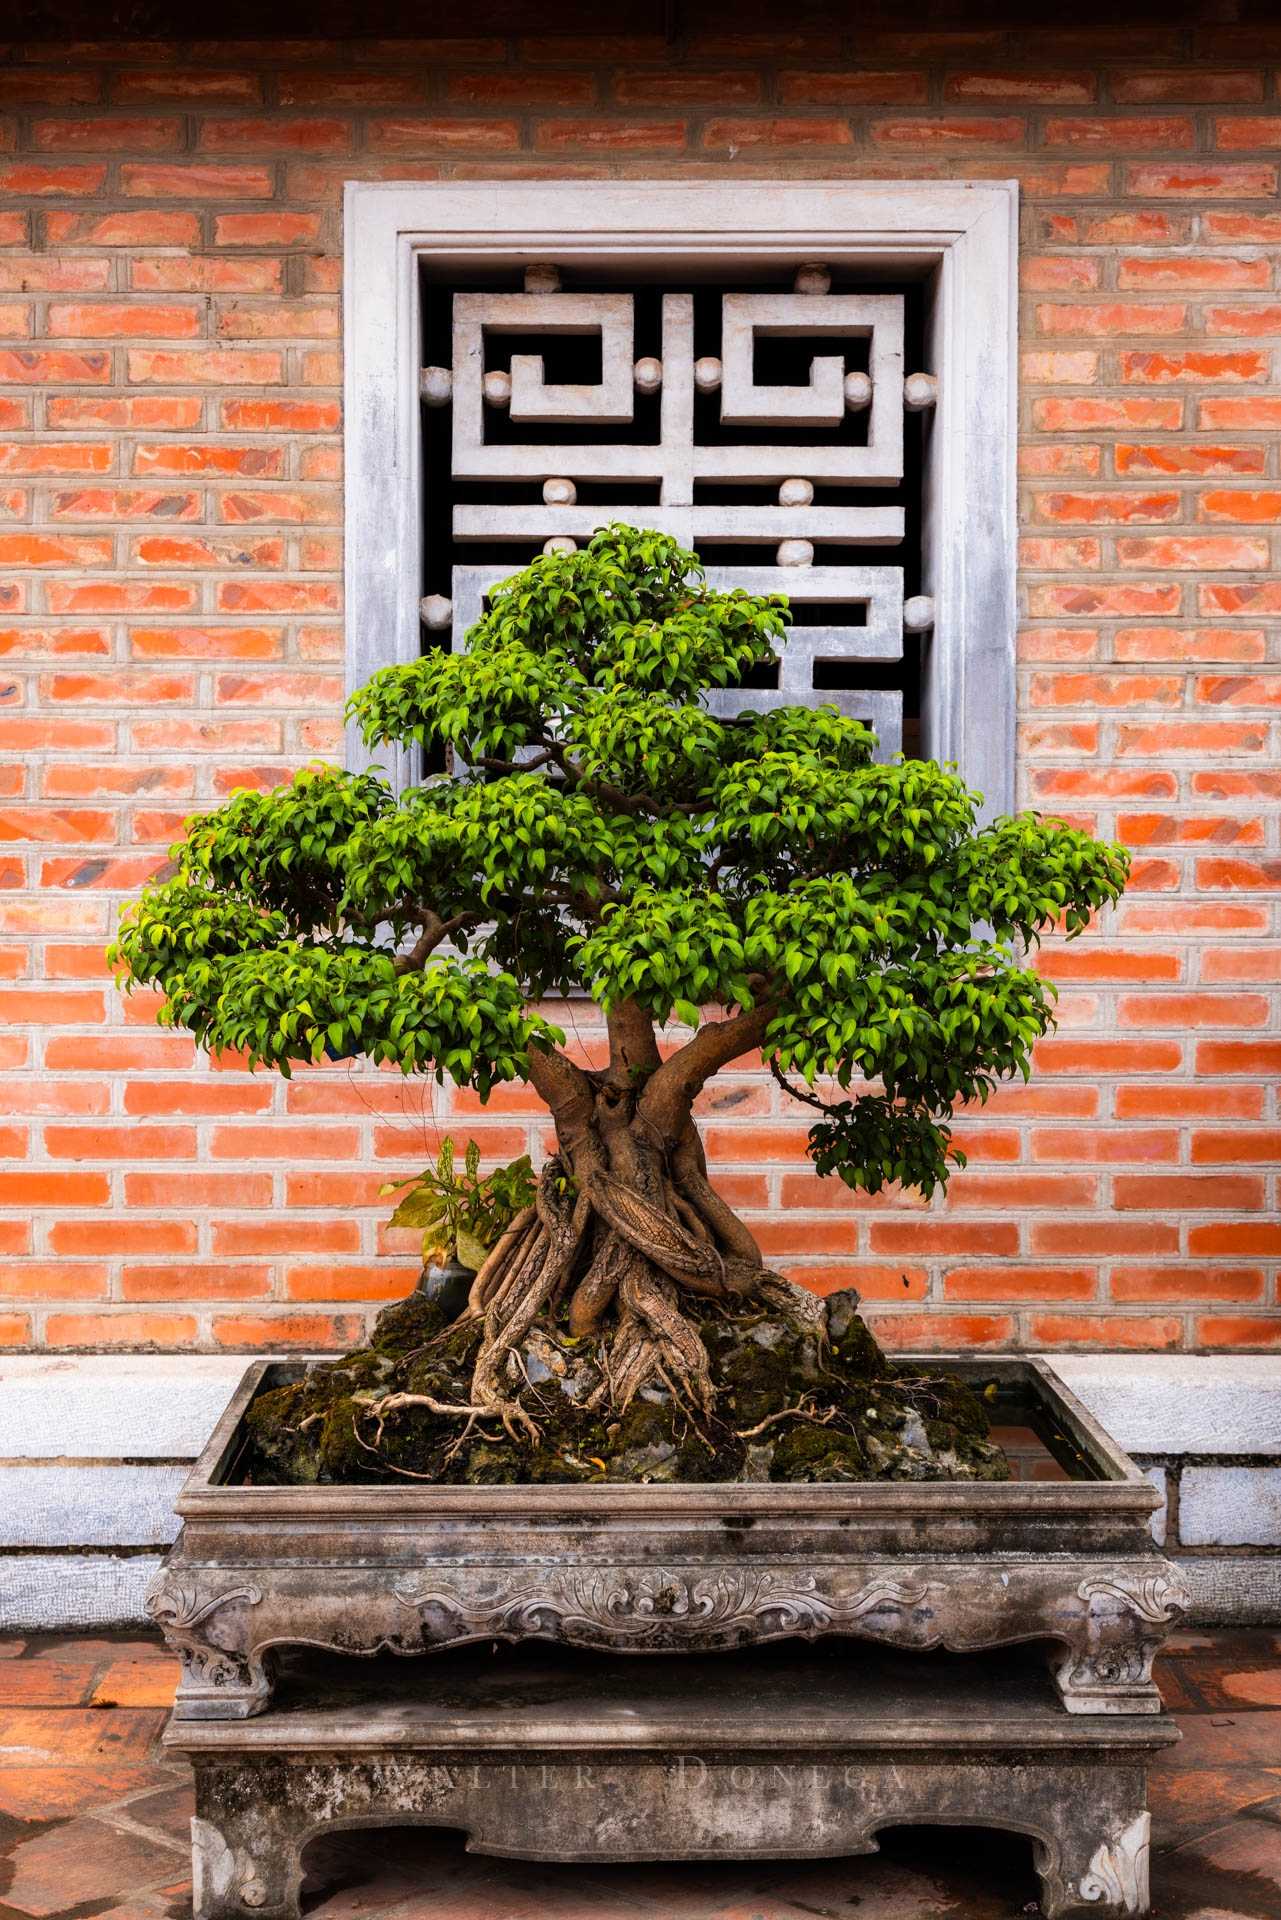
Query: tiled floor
{"points": [[93, 1826]]}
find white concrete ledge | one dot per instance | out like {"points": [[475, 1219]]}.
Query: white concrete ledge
{"points": [[46, 1593], [107, 1506], [130, 1406], [1174, 1403]]}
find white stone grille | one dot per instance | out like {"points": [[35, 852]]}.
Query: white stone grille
{"points": [[765, 429]]}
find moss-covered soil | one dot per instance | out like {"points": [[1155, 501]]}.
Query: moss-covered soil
{"points": [[803, 1392]]}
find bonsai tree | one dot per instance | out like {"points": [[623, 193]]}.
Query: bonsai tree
{"points": [[757, 880]]}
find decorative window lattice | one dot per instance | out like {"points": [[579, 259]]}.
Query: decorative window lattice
{"points": [[771, 429]]}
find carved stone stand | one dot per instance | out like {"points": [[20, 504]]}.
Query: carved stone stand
{"points": [[670, 1572], [795, 1753]]}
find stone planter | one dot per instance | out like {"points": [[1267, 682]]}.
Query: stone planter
{"points": [[409, 1568]]}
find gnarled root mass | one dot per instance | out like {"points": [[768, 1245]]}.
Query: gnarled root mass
{"points": [[624, 1327], [765, 1382]]}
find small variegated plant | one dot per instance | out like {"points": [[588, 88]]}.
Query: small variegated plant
{"points": [[462, 1215]]}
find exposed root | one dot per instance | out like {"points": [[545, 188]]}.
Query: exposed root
{"points": [[392, 1402], [803, 1410]]}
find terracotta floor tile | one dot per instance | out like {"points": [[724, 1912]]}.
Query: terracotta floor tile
{"points": [[71, 1736], [1190, 1802], [142, 1679], [51, 1793], [1249, 1738], [1262, 1687], [168, 1812], [45, 1681], [80, 1861]]}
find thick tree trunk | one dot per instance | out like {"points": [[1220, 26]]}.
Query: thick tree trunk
{"points": [[626, 1227]]}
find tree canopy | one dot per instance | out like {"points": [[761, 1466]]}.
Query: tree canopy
{"points": [[607, 834]]}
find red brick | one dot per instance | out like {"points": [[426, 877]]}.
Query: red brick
{"points": [[284, 229], [287, 1331], [970, 1191], [1194, 271], [194, 1189], [274, 134], [950, 1237], [107, 133], [1185, 1286], [1110, 508], [54, 1280], [30, 177], [848, 87], [134, 1330], [1194, 181], [1135, 133], [122, 320], [47, 88], [1166, 829], [166, 84], [951, 130], [1227, 784], [1191, 85], [118, 1235], [1174, 1102], [189, 180], [154, 228], [941, 1332], [1108, 962], [1215, 552], [1194, 367], [200, 1280], [36, 367], [1109, 1056], [1020, 1283], [1238, 1330], [1140, 226], [1159, 1331], [1233, 874], [346, 88], [1188, 457], [284, 416], [1260, 1239], [1019, 89], [151, 412], [1178, 1193], [329, 1281], [226, 366], [237, 274], [75, 273], [41, 1187], [427, 133], [1246, 130], [1235, 1146]]}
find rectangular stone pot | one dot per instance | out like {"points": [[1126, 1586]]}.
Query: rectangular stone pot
{"points": [[662, 1569]]}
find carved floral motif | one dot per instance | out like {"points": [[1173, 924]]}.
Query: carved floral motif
{"points": [[661, 1606], [1118, 1871], [1155, 1597]]}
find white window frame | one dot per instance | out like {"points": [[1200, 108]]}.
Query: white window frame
{"points": [[967, 233]]}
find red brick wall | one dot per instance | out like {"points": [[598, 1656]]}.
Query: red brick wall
{"points": [[170, 588]]}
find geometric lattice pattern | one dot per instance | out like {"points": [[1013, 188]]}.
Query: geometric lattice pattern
{"points": [[727, 458]]}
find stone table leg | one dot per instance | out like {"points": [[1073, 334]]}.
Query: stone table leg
{"points": [[245, 1850], [1085, 1873]]}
